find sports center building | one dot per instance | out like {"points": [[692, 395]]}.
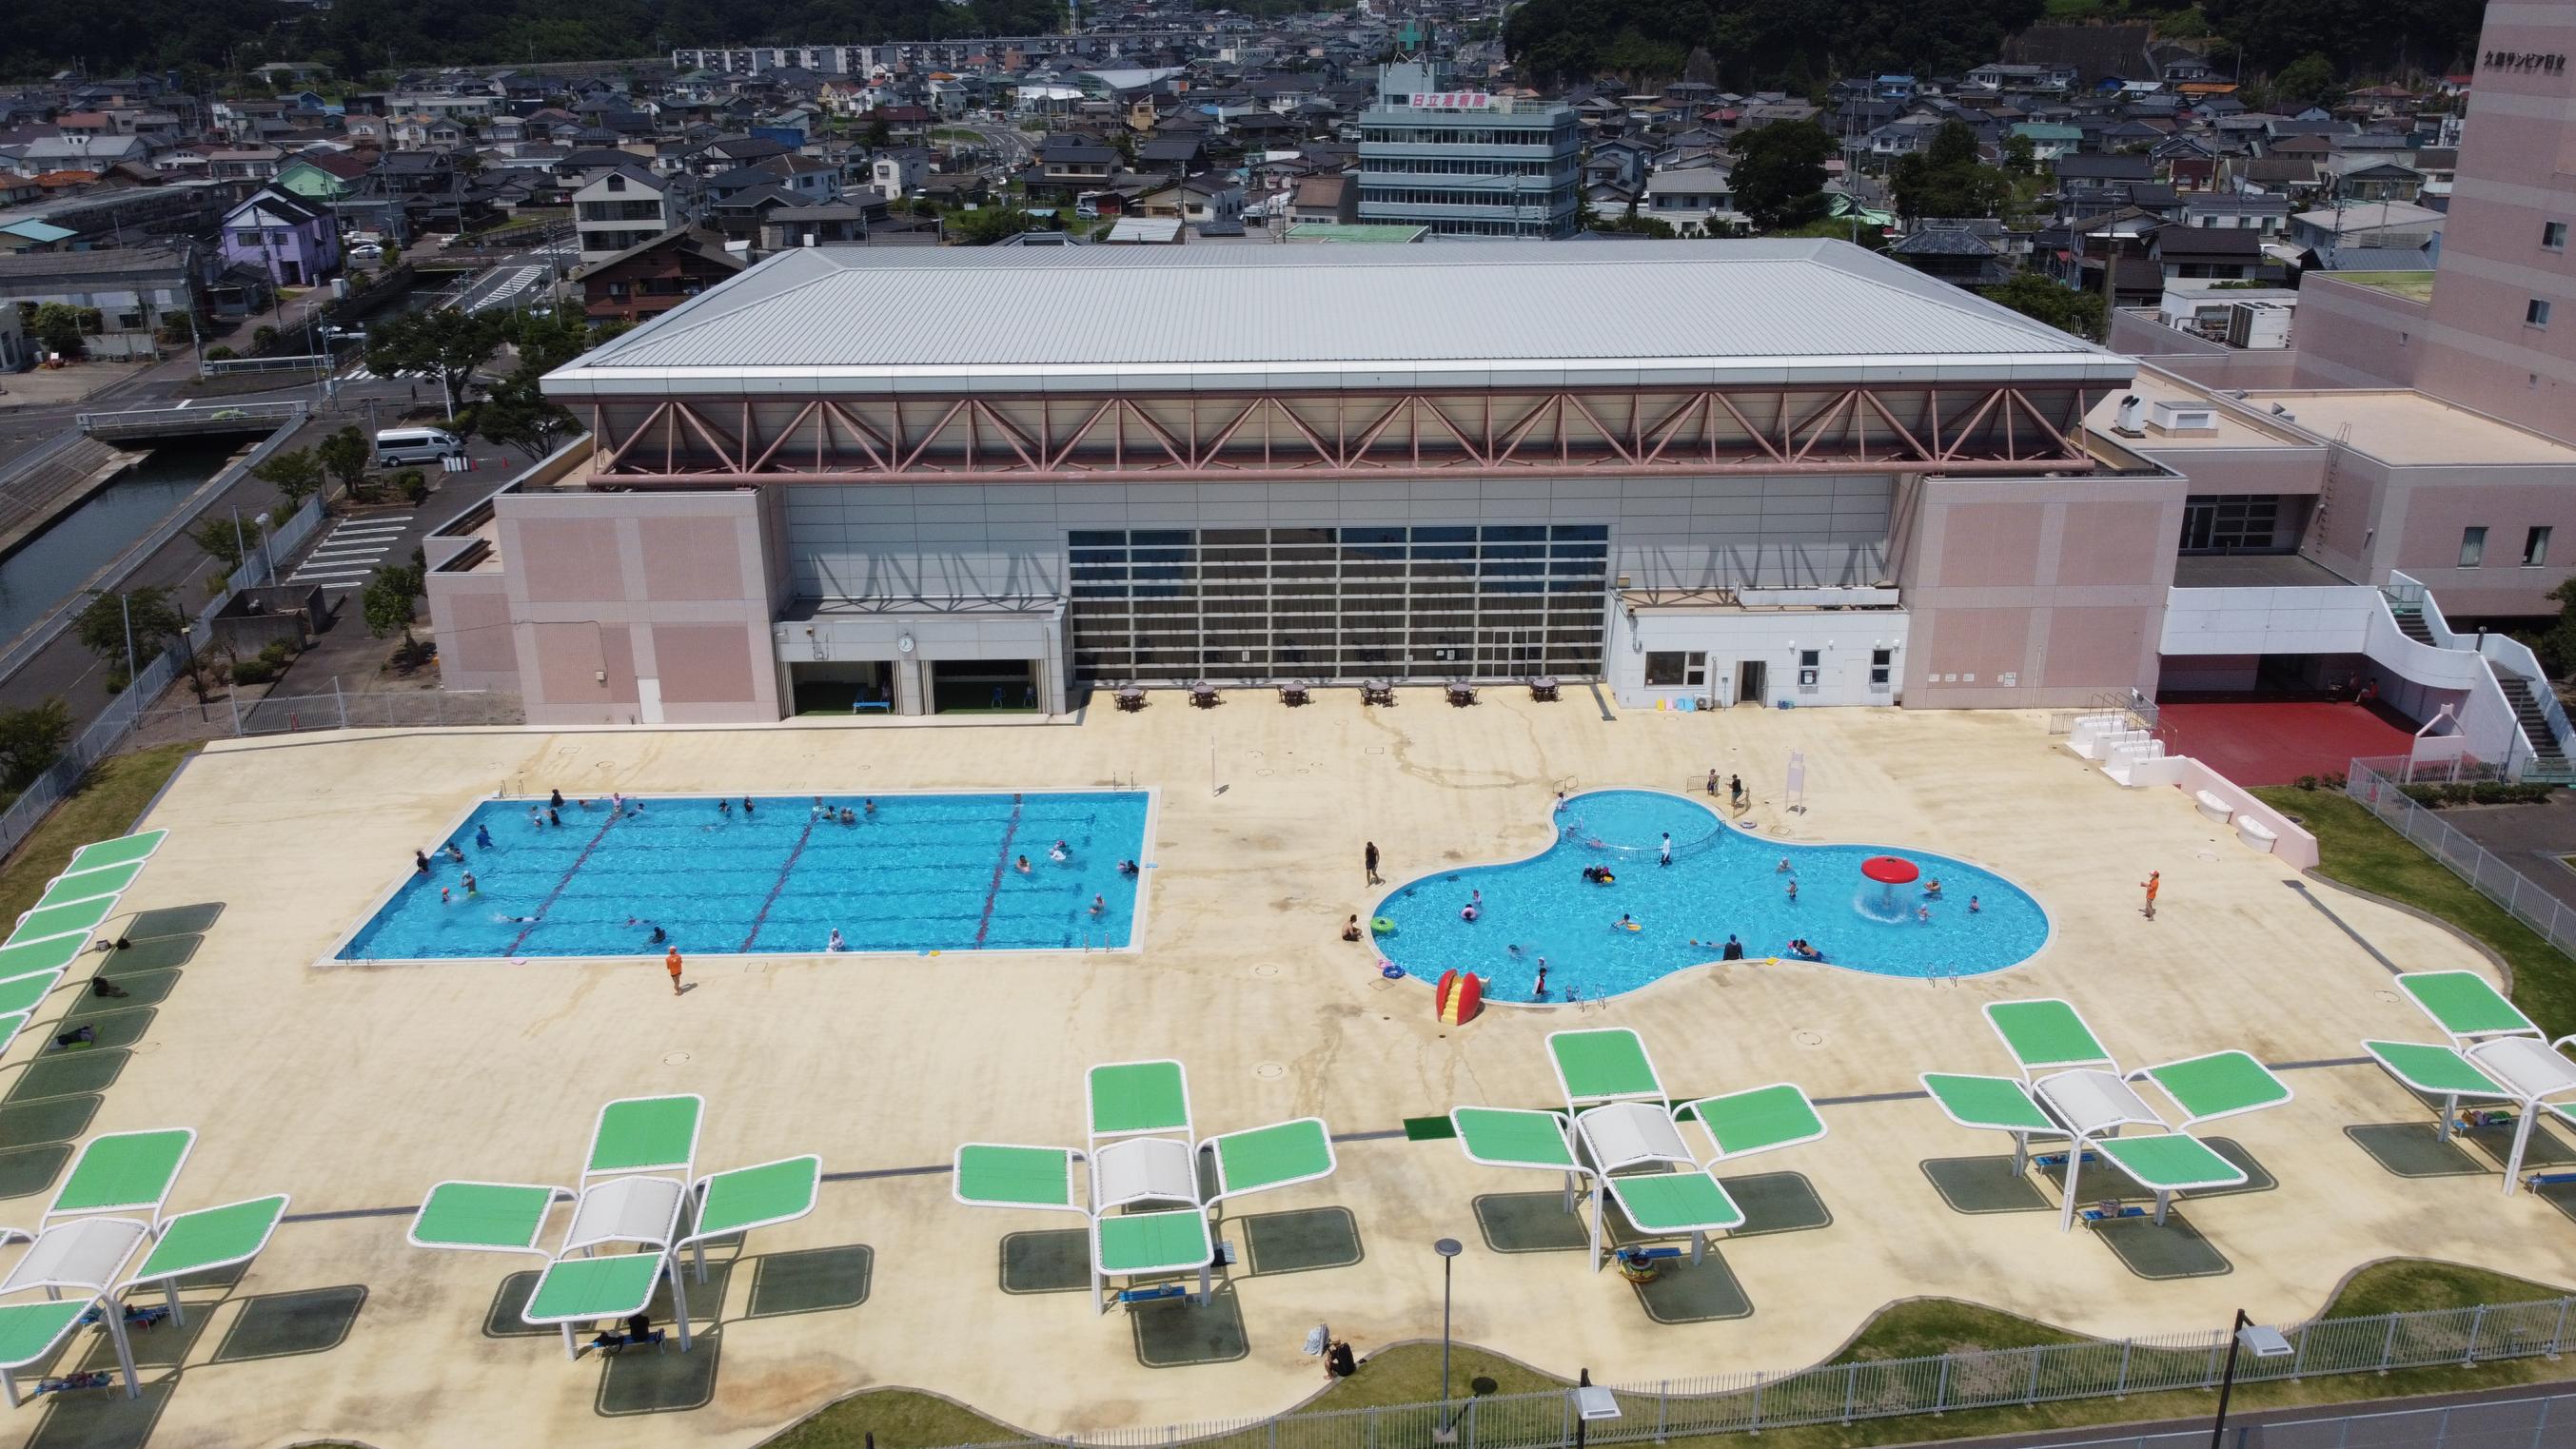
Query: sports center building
{"points": [[1737, 473]]}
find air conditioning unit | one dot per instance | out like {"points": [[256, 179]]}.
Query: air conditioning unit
{"points": [[2182, 419]]}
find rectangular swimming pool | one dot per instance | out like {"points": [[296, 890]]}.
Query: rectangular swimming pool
{"points": [[915, 873]]}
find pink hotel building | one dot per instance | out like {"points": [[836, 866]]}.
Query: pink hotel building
{"points": [[1742, 472]]}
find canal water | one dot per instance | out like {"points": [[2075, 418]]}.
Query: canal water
{"points": [[52, 565]]}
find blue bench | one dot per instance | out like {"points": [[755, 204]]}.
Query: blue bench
{"points": [[2098, 1215], [1132, 1296], [2548, 1179], [859, 704], [2058, 1159], [620, 1342]]}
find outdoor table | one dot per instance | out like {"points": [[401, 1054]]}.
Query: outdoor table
{"points": [[1203, 694], [1131, 698], [1543, 687]]}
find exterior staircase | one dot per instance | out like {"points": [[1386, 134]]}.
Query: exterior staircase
{"points": [[2410, 622], [2549, 764]]}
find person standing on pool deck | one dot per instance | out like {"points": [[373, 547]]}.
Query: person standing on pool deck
{"points": [[671, 963], [1667, 857], [1712, 784], [2153, 883], [1368, 858]]}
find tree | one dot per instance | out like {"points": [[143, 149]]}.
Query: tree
{"points": [[31, 739], [2307, 81], [228, 539], [297, 475], [2033, 295], [60, 327], [1780, 173], [446, 344], [2557, 648], [1841, 229], [986, 225], [1945, 178], [146, 616], [2021, 155], [386, 602], [879, 134], [346, 453]]}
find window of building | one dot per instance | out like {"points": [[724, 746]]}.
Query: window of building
{"points": [[1810, 658], [1880, 667], [2535, 548], [1667, 669], [2473, 546], [2553, 235], [2535, 313]]}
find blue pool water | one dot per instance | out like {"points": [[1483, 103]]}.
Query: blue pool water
{"points": [[925, 872], [1721, 880]]}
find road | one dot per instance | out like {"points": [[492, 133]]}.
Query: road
{"points": [[1009, 143], [339, 561]]}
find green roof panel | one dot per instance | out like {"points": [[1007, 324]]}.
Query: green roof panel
{"points": [[759, 1197], [1138, 1097], [575, 1290]]}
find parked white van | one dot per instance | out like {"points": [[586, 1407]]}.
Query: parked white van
{"points": [[416, 445]]}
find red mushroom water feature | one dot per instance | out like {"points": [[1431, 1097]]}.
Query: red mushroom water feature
{"points": [[1889, 871]]}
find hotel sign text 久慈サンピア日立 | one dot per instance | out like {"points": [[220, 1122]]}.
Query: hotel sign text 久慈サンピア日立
{"points": [[2523, 60]]}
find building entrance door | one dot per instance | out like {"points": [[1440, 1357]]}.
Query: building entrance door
{"points": [[1751, 683]]}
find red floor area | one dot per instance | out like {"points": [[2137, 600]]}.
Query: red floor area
{"points": [[2274, 744]]}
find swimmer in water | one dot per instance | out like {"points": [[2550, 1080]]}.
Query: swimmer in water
{"points": [[419, 863], [869, 805], [482, 837], [455, 854], [847, 818], [724, 807], [470, 888], [836, 943], [1782, 868], [1021, 865], [1539, 993], [1126, 867], [1973, 907], [1057, 853], [1793, 890], [555, 798], [1099, 906]]}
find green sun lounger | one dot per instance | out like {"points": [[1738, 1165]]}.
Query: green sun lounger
{"points": [[1130, 1099], [1607, 1064], [2465, 1005], [29, 1331], [22, 995], [646, 1134], [1673, 1203], [585, 1290], [76, 920], [1165, 1241], [999, 1174], [1261, 1158], [503, 1217], [206, 1240], [2000, 1103], [89, 885], [125, 849], [1761, 1119], [2169, 1162], [2045, 1035], [2533, 1076], [2221, 1084], [1513, 1137], [124, 1172], [40, 958]]}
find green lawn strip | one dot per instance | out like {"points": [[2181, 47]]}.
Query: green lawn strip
{"points": [[2359, 851], [1410, 1374], [102, 808]]}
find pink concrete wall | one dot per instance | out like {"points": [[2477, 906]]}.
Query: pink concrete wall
{"points": [[707, 663], [2440, 502], [2057, 583], [610, 590], [2517, 161], [691, 558], [567, 560], [2355, 336], [470, 617]]}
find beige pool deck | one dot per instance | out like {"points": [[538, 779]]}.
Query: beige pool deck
{"points": [[355, 1088]]}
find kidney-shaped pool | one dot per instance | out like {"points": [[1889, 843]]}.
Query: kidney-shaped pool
{"points": [[1647, 920]]}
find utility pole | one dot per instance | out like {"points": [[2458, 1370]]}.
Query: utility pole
{"points": [[125, 607]]}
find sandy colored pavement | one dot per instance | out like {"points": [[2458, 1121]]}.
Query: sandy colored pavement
{"points": [[356, 1087]]}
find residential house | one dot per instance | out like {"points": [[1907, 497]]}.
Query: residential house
{"points": [[134, 289], [2387, 226], [2265, 216], [1325, 199], [1955, 251], [1695, 202], [1210, 200], [295, 241], [323, 176], [898, 171], [2217, 254], [626, 207], [802, 177]]}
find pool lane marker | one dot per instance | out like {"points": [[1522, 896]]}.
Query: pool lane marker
{"points": [[781, 884], [569, 872], [1000, 863]]}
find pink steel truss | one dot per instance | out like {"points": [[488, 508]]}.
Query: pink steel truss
{"points": [[1984, 429]]}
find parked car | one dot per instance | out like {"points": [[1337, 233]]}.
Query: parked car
{"points": [[366, 252]]}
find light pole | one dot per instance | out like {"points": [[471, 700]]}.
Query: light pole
{"points": [[1448, 1249], [2262, 1342], [267, 561]]}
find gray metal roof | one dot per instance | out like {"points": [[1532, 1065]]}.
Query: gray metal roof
{"points": [[1470, 314]]}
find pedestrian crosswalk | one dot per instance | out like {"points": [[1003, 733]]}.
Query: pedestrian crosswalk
{"points": [[349, 554]]}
